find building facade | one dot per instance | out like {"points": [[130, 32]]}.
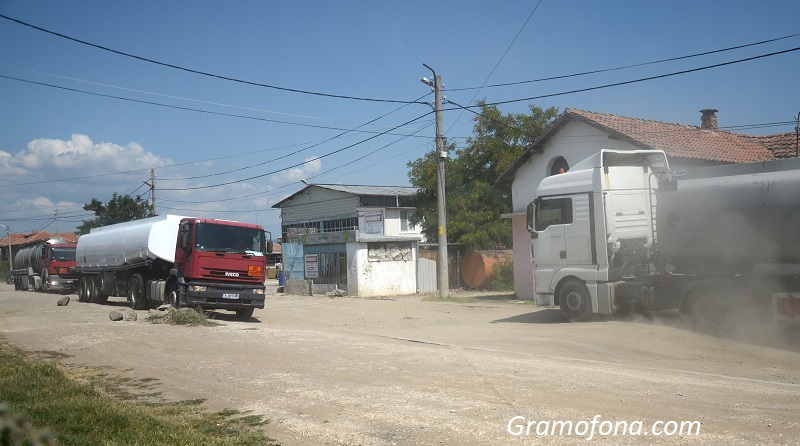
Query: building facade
{"points": [[354, 238]]}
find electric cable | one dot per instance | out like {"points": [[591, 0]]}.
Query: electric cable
{"points": [[202, 73]]}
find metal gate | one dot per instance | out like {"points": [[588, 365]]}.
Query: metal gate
{"points": [[332, 264], [426, 276]]}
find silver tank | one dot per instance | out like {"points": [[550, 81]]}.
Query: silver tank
{"points": [[729, 218], [129, 243], [31, 256]]}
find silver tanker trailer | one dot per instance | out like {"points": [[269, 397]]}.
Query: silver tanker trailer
{"points": [[183, 261], [46, 265]]}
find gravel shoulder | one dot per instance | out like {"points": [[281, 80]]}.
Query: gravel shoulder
{"points": [[408, 371]]}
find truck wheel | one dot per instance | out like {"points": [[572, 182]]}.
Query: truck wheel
{"points": [[575, 301], [172, 295], [82, 289], [45, 281], [136, 293], [97, 285], [244, 313]]}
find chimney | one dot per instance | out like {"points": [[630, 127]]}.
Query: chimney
{"points": [[709, 119]]}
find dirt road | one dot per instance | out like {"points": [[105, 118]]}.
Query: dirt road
{"points": [[405, 371]]}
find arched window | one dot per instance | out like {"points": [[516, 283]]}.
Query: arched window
{"points": [[559, 166]]}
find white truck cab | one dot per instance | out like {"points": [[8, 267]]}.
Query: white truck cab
{"points": [[593, 225]]}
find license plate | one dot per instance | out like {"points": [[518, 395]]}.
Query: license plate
{"points": [[230, 296], [62, 270]]}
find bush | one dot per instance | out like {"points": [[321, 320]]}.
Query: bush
{"points": [[503, 279]]}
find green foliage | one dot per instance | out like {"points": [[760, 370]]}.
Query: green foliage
{"points": [[119, 209], [474, 200], [503, 279], [181, 316], [80, 410]]}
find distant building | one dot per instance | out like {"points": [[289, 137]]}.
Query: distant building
{"points": [[359, 239], [578, 134]]}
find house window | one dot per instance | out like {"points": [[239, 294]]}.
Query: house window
{"points": [[405, 222], [559, 166]]}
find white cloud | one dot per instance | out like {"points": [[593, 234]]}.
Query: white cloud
{"points": [[311, 166]]}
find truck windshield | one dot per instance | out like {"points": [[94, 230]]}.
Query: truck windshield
{"points": [[234, 239], [64, 254]]}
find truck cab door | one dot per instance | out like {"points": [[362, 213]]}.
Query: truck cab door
{"points": [[550, 244]]}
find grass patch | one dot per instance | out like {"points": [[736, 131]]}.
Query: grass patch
{"points": [[181, 316], [83, 406]]}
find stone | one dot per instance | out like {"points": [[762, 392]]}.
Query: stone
{"points": [[64, 301], [130, 315], [116, 315]]}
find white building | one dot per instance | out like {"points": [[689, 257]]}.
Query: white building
{"points": [[355, 238], [578, 134]]}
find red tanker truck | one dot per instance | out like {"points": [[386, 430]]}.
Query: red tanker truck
{"points": [[182, 261], [46, 265]]}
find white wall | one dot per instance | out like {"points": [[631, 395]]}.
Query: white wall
{"points": [[388, 278]]}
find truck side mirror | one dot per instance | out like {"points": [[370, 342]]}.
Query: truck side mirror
{"points": [[269, 246], [531, 219], [186, 239]]}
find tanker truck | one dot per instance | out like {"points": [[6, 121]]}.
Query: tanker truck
{"points": [[45, 266], [622, 232], [176, 260]]}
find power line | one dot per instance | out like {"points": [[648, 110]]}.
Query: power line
{"points": [[179, 107], [661, 76], [203, 73], [299, 164], [498, 63], [605, 70], [304, 149]]}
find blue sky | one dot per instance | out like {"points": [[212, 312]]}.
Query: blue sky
{"points": [[59, 148]]}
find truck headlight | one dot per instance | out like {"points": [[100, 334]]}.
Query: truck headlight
{"points": [[198, 288], [259, 291]]}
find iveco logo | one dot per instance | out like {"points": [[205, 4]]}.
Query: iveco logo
{"points": [[231, 274]]}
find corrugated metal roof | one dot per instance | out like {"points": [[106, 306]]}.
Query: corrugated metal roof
{"points": [[354, 189]]}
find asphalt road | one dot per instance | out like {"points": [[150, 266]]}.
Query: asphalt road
{"points": [[408, 371]]}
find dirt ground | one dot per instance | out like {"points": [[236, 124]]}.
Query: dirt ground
{"points": [[411, 371]]}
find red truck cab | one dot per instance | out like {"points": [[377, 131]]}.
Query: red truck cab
{"points": [[220, 264]]}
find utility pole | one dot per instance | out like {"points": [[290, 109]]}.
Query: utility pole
{"points": [[152, 185], [441, 154], [58, 231]]}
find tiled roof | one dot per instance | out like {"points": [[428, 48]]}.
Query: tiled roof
{"points": [[782, 145], [27, 238], [680, 141]]}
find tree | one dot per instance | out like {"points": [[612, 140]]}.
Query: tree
{"points": [[474, 201], [119, 209]]}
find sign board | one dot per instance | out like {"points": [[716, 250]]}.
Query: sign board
{"points": [[312, 266], [373, 223]]}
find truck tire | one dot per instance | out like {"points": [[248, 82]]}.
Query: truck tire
{"points": [[136, 293], [91, 289], [45, 281], [244, 313], [97, 285], [82, 289], [172, 295], [575, 301]]}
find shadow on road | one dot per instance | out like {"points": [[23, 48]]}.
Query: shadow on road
{"points": [[548, 316]]}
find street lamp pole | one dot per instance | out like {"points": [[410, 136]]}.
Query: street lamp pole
{"points": [[441, 155], [8, 232]]}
